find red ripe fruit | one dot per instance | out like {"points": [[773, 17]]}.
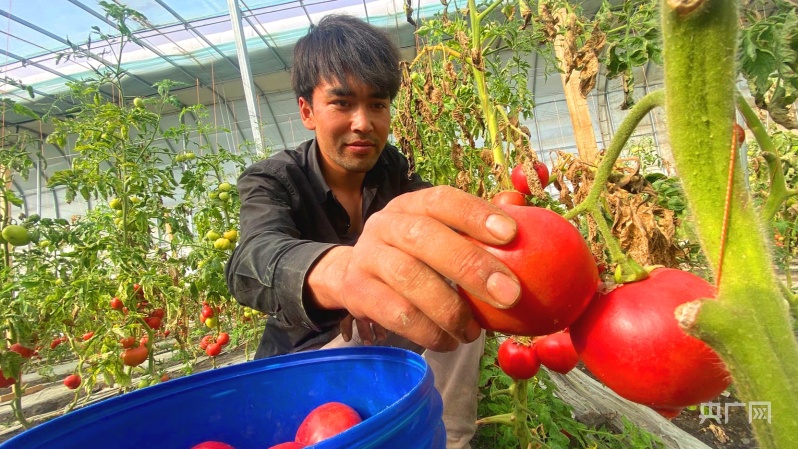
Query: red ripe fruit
{"points": [[128, 342], [518, 360], [556, 270], [21, 350], [116, 303], [87, 336], [213, 445], [223, 338], [207, 311], [213, 349], [557, 353], [153, 321], [739, 134], [518, 177], [512, 197], [651, 361], [325, 421], [6, 381], [205, 341], [159, 312], [72, 381]]}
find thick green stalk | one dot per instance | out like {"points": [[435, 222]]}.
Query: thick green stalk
{"points": [[478, 70], [749, 324]]}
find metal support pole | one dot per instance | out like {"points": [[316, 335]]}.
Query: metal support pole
{"points": [[246, 73]]}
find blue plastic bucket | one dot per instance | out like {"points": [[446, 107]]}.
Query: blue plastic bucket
{"points": [[258, 404]]}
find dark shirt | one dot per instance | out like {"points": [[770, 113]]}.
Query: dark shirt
{"points": [[289, 219]]}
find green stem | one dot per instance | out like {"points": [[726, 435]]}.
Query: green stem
{"points": [[778, 186], [521, 413], [16, 404], [748, 325], [625, 130], [489, 9], [482, 88]]}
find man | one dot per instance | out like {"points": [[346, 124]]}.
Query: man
{"points": [[336, 233]]}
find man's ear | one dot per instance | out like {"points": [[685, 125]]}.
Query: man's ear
{"points": [[306, 114]]}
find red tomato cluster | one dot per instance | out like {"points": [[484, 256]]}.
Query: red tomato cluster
{"points": [[213, 347], [324, 421], [627, 337], [521, 358]]}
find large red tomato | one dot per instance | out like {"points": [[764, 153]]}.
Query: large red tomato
{"points": [[557, 273], [630, 340], [557, 353], [518, 360], [325, 421]]}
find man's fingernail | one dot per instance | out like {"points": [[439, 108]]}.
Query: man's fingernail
{"points": [[500, 226], [504, 289]]}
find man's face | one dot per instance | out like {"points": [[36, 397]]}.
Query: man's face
{"points": [[351, 125]]}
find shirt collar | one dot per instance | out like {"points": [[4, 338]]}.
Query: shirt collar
{"points": [[319, 184]]}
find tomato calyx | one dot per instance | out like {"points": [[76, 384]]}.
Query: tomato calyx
{"points": [[628, 271]]}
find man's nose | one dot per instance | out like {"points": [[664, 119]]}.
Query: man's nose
{"points": [[361, 120]]}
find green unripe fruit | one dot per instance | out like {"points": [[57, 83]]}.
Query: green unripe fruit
{"points": [[221, 243], [213, 195], [138, 102], [115, 204], [224, 196], [212, 235], [225, 187], [16, 235]]}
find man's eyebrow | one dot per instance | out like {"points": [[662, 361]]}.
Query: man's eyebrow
{"points": [[342, 91], [339, 91]]}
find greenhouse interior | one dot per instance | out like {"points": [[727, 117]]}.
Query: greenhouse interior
{"points": [[649, 145]]}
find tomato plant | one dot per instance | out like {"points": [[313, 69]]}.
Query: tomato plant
{"points": [[556, 269], [325, 421], [654, 362], [518, 359]]}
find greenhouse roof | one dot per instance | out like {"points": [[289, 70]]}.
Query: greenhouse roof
{"points": [[188, 41]]}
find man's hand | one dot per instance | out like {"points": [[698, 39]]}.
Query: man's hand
{"points": [[398, 273], [369, 332]]}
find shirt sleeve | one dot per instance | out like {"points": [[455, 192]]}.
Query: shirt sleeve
{"points": [[268, 268]]}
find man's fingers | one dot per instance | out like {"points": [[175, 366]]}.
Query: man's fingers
{"points": [[346, 328], [443, 250], [374, 299], [364, 330], [459, 210], [418, 283]]}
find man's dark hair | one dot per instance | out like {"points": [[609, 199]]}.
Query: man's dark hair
{"points": [[342, 46]]}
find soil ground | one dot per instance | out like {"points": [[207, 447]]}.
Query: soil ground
{"points": [[47, 399]]}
